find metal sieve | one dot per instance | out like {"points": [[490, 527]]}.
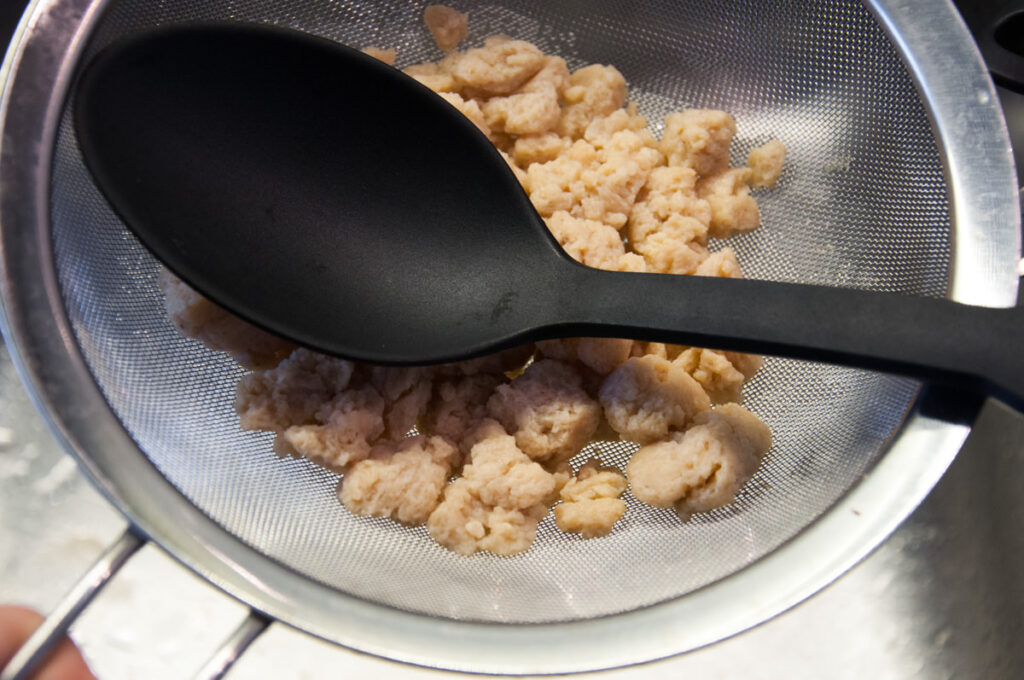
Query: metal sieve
{"points": [[898, 178]]}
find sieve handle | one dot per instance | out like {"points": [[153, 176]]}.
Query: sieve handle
{"points": [[56, 625], [968, 348], [233, 647]]}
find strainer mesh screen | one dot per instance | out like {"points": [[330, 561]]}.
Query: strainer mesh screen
{"points": [[862, 202]]}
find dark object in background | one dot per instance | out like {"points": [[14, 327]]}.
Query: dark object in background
{"points": [[998, 28], [10, 13]]}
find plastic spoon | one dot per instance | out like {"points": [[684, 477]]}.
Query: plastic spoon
{"points": [[331, 199]]}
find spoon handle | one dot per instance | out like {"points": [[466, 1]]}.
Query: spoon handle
{"points": [[969, 347]]}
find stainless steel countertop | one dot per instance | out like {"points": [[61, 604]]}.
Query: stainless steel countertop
{"points": [[942, 598]]}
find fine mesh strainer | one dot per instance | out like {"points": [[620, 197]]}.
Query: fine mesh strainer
{"points": [[898, 178]]}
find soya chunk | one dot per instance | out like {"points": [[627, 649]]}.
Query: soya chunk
{"points": [[527, 113], [714, 372], [592, 243], [603, 355], [437, 76], [446, 25], [470, 109], [596, 179], [590, 501], [406, 391], [497, 502], [593, 91], [733, 209], [698, 139], [765, 164], [669, 223], [458, 405], [541, 148], [647, 397], [704, 467], [500, 67], [351, 424], [402, 480], [722, 263], [672, 249], [197, 317], [547, 411], [292, 392]]}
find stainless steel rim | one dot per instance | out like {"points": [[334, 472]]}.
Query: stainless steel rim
{"points": [[969, 127]]}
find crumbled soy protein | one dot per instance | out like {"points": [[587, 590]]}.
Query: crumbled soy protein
{"points": [[506, 425]]}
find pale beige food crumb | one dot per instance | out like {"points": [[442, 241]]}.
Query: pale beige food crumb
{"points": [[437, 76], [594, 358], [631, 262], [458, 405], [406, 391], [669, 223], [553, 186], [733, 209], [590, 502], [592, 243], [722, 381], [658, 349], [665, 252], [547, 411], [346, 431], [447, 25], [497, 502], [625, 157], [528, 113], [470, 109], [670, 192], [292, 392], [648, 397], [722, 264], [765, 164], [698, 139], [593, 91], [704, 467], [562, 475], [596, 179], [553, 74], [603, 355], [500, 67], [602, 129], [387, 56], [401, 480], [538, 148], [747, 364], [198, 318]]}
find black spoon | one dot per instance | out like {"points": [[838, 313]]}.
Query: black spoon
{"points": [[335, 201]]}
